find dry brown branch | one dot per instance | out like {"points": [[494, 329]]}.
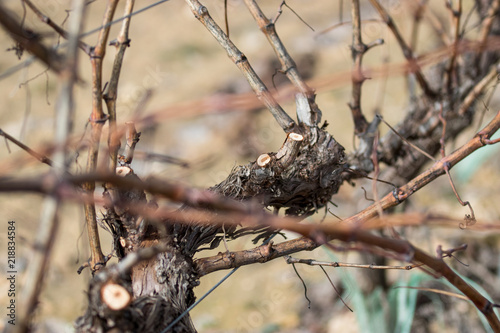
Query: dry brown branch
{"points": [[478, 90], [121, 43], [132, 137], [49, 218], [42, 158], [259, 254], [288, 66], [156, 246], [321, 234], [358, 49], [97, 120], [456, 15], [29, 40], [63, 33], [312, 262], [484, 34], [420, 150], [162, 158], [246, 257], [407, 51], [418, 13], [240, 60], [402, 193]]}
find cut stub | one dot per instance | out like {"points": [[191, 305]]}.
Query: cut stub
{"points": [[124, 171], [115, 296], [287, 153], [263, 160], [300, 178]]}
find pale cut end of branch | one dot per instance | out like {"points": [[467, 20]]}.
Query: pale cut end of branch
{"points": [[115, 296], [296, 136], [123, 171], [263, 160]]}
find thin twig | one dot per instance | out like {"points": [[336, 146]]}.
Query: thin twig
{"points": [[29, 40], [40, 157], [407, 51], [304, 285], [417, 19], [226, 19], [312, 262], [44, 18], [142, 155], [288, 66], [420, 150], [358, 49], [30, 60], [469, 219], [487, 23], [240, 60], [452, 71], [436, 291], [335, 288], [121, 43], [45, 236], [478, 90], [399, 195]]}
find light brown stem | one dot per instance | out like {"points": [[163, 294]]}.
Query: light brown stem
{"points": [[407, 51], [121, 43], [288, 66], [132, 139], [63, 33], [241, 61], [97, 120], [287, 153]]}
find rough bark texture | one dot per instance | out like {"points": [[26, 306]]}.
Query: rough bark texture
{"points": [[299, 178], [162, 287]]}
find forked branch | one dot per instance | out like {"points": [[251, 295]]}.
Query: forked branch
{"points": [[97, 120], [241, 61], [288, 66]]}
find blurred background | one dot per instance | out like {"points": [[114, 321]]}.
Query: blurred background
{"points": [[175, 72]]}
